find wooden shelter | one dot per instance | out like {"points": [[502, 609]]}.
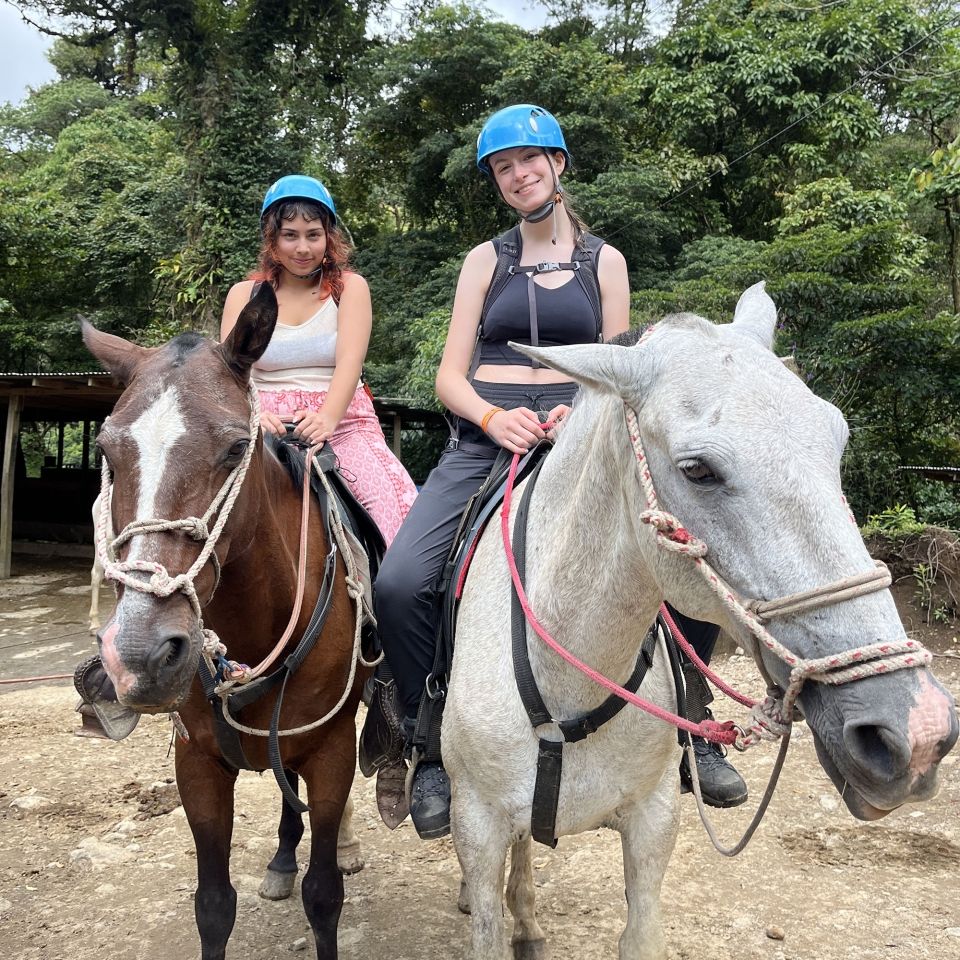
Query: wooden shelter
{"points": [[55, 505]]}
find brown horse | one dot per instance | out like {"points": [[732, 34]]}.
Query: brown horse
{"points": [[179, 432]]}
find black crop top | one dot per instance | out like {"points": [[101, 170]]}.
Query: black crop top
{"points": [[564, 316]]}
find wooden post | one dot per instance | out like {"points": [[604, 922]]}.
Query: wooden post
{"points": [[85, 455], [14, 408], [60, 427], [397, 427]]}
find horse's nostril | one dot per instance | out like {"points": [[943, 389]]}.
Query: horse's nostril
{"points": [[168, 654], [881, 752]]}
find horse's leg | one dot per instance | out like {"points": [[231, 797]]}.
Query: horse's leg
{"points": [[648, 832], [481, 836], [281, 872], [206, 790], [328, 788], [349, 858], [528, 940]]}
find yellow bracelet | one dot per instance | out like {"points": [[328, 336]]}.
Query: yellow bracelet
{"points": [[488, 416]]}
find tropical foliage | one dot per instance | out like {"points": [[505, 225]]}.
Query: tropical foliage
{"points": [[715, 142]]}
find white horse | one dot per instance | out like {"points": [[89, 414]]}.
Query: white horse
{"points": [[748, 459]]}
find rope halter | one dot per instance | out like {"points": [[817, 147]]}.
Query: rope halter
{"points": [[771, 717], [160, 583]]}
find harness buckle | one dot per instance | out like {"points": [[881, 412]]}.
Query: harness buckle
{"points": [[452, 443], [437, 693], [547, 266]]}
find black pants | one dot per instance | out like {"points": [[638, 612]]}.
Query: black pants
{"points": [[702, 635]]}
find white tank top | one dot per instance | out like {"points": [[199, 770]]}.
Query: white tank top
{"points": [[301, 357]]}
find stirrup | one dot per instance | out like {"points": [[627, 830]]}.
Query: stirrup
{"points": [[96, 689]]}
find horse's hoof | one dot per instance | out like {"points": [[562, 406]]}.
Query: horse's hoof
{"points": [[349, 858], [94, 627], [530, 950], [463, 901], [276, 885]]}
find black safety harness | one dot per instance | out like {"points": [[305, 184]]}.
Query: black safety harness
{"points": [[509, 247]]}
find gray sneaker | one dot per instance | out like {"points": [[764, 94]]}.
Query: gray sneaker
{"points": [[430, 801]]}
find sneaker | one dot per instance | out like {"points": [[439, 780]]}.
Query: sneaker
{"points": [[430, 801], [720, 784]]}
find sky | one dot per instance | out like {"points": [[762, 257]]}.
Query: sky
{"points": [[23, 48]]}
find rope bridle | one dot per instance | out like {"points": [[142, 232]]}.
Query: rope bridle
{"points": [[771, 716], [160, 583]]}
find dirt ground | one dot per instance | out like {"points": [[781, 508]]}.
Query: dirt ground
{"points": [[96, 858]]}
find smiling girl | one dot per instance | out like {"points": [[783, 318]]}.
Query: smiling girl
{"points": [[310, 372], [494, 393]]}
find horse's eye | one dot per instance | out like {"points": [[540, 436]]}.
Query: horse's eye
{"points": [[696, 471], [238, 449]]}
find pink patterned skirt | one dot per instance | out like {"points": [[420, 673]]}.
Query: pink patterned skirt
{"points": [[376, 477]]}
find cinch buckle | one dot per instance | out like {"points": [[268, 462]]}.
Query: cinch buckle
{"points": [[547, 266]]}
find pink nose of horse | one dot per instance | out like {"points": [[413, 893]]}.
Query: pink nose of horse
{"points": [[886, 754], [148, 672]]}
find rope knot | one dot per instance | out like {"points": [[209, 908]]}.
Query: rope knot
{"points": [[672, 534], [161, 583], [767, 722], [196, 528], [716, 732]]}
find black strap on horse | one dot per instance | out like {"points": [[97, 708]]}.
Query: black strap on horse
{"points": [[426, 735], [546, 792]]}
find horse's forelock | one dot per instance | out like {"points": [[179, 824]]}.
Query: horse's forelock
{"points": [[183, 345]]}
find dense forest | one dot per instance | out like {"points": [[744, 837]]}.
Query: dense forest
{"points": [[715, 142]]}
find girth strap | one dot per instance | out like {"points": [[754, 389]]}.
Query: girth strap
{"points": [[546, 791]]}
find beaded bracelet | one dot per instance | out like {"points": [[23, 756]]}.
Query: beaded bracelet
{"points": [[488, 416]]}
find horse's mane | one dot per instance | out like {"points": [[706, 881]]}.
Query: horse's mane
{"points": [[691, 321], [290, 454]]}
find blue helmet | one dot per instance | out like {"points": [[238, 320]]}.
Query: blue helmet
{"points": [[297, 186], [522, 125]]}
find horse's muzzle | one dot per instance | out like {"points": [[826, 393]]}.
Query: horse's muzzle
{"points": [[887, 749], [151, 668]]}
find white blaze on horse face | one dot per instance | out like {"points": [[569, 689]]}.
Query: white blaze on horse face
{"points": [[155, 432]]}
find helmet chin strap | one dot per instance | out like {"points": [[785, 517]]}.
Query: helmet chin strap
{"points": [[550, 207]]}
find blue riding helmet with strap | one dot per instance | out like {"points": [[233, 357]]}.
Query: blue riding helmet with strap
{"points": [[522, 125], [297, 186]]}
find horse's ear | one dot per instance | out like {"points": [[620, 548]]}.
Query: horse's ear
{"points": [[756, 315], [120, 357], [605, 366], [251, 333]]}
